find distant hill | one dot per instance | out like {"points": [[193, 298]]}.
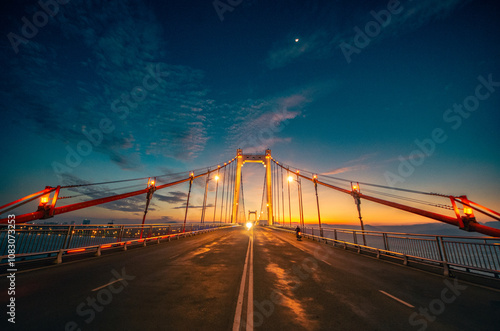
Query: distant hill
{"points": [[440, 229]]}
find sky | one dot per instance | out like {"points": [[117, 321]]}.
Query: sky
{"points": [[397, 93]]}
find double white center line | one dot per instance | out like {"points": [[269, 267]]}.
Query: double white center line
{"points": [[239, 307]]}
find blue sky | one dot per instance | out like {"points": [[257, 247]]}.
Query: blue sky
{"points": [[160, 86]]}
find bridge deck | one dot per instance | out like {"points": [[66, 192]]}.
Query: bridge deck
{"points": [[194, 284]]}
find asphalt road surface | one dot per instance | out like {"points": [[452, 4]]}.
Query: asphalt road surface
{"points": [[209, 281]]}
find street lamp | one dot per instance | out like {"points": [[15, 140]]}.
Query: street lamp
{"points": [[149, 195], [355, 192], [44, 200], [468, 211], [315, 181]]}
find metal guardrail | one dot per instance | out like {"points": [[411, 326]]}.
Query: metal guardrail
{"points": [[470, 254], [38, 241]]}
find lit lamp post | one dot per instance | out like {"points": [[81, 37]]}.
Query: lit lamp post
{"points": [[152, 189], [43, 202], [191, 178], [468, 212], [468, 218], [357, 200], [46, 206], [43, 205], [463, 221], [315, 180]]}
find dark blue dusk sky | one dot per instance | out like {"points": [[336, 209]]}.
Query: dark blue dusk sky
{"points": [[169, 87]]}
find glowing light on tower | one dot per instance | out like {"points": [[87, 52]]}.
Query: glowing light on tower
{"points": [[467, 210]]}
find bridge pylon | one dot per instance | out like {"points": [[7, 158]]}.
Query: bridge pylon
{"points": [[264, 159]]}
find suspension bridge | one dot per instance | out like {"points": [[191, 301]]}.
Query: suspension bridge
{"points": [[215, 274]]}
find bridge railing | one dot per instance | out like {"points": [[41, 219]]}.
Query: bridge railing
{"points": [[33, 241], [471, 254]]}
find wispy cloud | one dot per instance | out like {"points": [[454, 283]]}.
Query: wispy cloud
{"points": [[369, 161], [400, 158], [266, 143], [347, 169], [193, 206], [257, 127], [286, 52], [260, 124], [131, 204], [361, 163], [362, 158], [63, 92], [324, 43], [175, 197]]}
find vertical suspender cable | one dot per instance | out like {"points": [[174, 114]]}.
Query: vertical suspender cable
{"points": [[243, 201], [234, 217], [289, 205], [205, 198], [216, 190], [278, 190], [223, 188], [229, 197], [299, 191], [275, 199], [274, 191], [282, 198], [229, 210], [263, 196]]}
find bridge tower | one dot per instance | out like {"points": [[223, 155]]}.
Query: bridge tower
{"points": [[254, 212], [242, 159]]}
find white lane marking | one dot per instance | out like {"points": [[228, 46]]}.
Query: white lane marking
{"points": [[239, 305], [397, 299], [250, 290], [98, 288], [308, 251]]}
